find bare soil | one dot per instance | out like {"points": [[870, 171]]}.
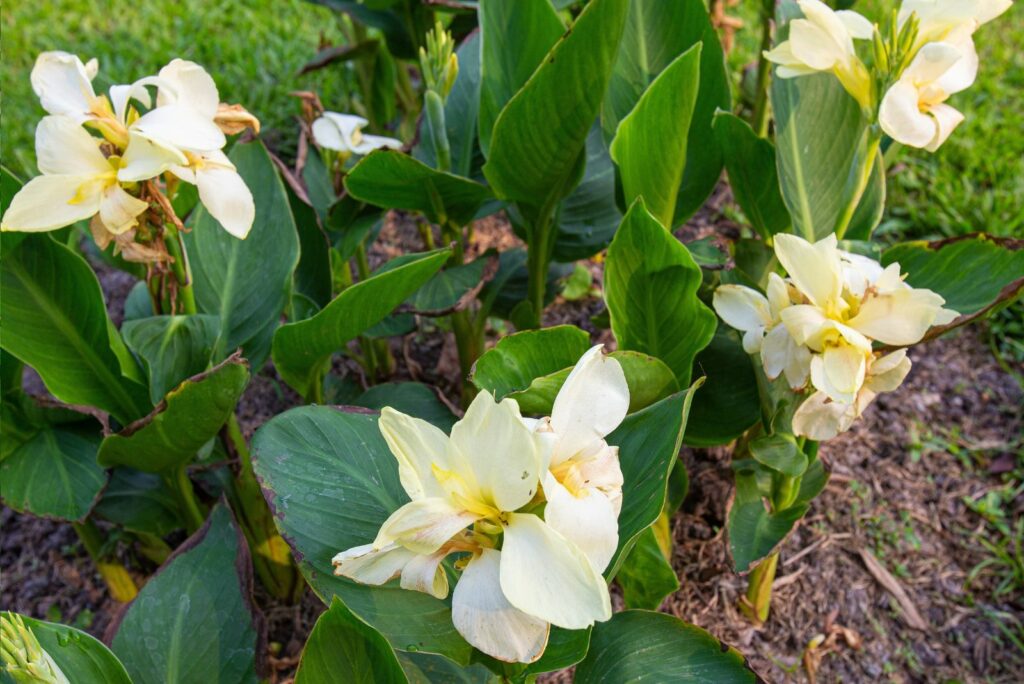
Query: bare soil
{"points": [[897, 493]]}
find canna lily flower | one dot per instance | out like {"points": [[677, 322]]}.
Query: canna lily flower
{"points": [[941, 20], [820, 418], [823, 41], [760, 319], [913, 110], [343, 133], [77, 182], [838, 323], [522, 575], [583, 484]]}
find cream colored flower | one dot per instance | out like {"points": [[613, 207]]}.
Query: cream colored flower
{"points": [[823, 41], [343, 133]]}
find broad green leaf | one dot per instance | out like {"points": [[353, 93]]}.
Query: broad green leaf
{"points": [[818, 130], [82, 658], [540, 135], [246, 283], [646, 576], [754, 531], [172, 348], [141, 502], [391, 24], [313, 272], [972, 272], [138, 303], [781, 453], [390, 179], [565, 648], [188, 417], [343, 648], [413, 398], [514, 39], [728, 404], [423, 668], [588, 217], [302, 351], [750, 161], [639, 645], [648, 444], [444, 291], [331, 481], [650, 142], [319, 186], [54, 474], [517, 360], [194, 622], [54, 320], [656, 33], [651, 284]]}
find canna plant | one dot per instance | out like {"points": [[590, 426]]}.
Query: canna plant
{"points": [[485, 543]]}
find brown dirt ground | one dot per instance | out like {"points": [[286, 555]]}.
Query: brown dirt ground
{"points": [[897, 491]]}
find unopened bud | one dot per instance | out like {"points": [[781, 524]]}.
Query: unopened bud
{"points": [[438, 61], [22, 656], [880, 53]]}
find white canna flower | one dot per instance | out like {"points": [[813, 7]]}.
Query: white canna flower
{"points": [[838, 324], [760, 319], [77, 182], [823, 41], [343, 133], [583, 484], [942, 19], [819, 418], [913, 110], [481, 477]]}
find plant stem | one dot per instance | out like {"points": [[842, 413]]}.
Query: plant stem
{"points": [[759, 590], [187, 501], [538, 258], [759, 116], [858, 181], [470, 343], [182, 270], [120, 584]]}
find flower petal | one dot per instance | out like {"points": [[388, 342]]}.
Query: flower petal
{"points": [[424, 573], [547, 576], [815, 269], [820, 418], [63, 85], [417, 445], [369, 143], [191, 87], [900, 317], [144, 159], [888, 372], [856, 24], [63, 147], [946, 120], [228, 199], [495, 453], [587, 519], [485, 618], [742, 307], [778, 296], [370, 565], [780, 354], [179, 126], [592, 402], [807, 324], [901, 117], [122, 95], [119, 210], [424, 525], [51, 202]]}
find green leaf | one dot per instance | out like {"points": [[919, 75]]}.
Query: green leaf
{"points": [[246, 282], [750, 161], [638, 645], [172, 348], [818, 130], [656, 33], [54, 474], [754, 531], [313, 272], [444, 291], [193, 622], [54, 320], [536, 146], [650, 142], [646, 576], [390, 179], [82, 658], [565, 648], [515, 38], [412, 398], [140, 502], [517, 360], [190, 415], [648, 444], [588, 217], [343, 648], [651, 284], [461, 111], [781, 453], [331, 481], [302, 351], [423, 668], [729, 403], [971, 272]]}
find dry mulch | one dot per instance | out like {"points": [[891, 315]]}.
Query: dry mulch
{"points": [[897, 491]]}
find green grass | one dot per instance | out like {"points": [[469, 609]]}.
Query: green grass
{"points": [[252, 49]]}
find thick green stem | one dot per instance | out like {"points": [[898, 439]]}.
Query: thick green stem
{"points": [[858, 181], [758, 602], [538, 258], [759, 115], [120, 584], [470, 344], [186, 299], [189, 504]]}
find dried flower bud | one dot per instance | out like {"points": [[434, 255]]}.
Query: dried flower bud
{"points": [[233, 119]]}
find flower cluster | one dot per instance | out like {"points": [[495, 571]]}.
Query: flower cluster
{"points": [[23, 658], [928, 55], [531, 505], [820, 324], [108, 177]]}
